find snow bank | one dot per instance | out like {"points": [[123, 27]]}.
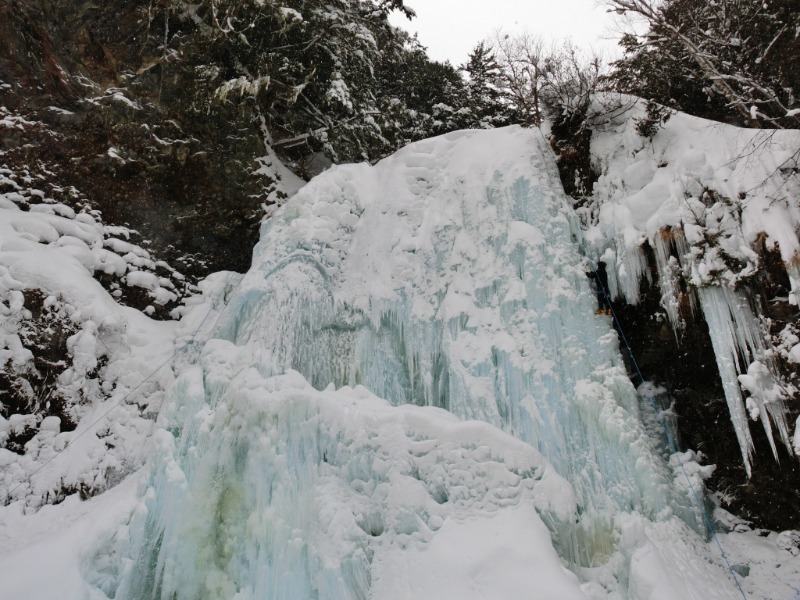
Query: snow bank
{"points": [[68, 352], [724, 188]]}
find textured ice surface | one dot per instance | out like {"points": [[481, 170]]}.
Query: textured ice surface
{"points": [[288, 492], [413, 365]]}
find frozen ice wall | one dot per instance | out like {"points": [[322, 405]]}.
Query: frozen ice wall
{"points": [[411, 387]]}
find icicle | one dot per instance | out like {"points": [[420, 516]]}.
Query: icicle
{"points": [[668, 272], [766, 402], [719, 307], [793, 271], [631, 268], [737, 344]]}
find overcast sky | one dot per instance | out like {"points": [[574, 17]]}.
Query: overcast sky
{"points": [[451, 28]]}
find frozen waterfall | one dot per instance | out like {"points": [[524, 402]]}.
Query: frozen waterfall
{"points": [[410, 396]]}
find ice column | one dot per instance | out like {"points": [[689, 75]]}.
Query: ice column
{"points": [[736, 339]]}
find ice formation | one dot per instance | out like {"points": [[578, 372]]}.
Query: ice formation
{"points": [[705, 196], [410, 395]]}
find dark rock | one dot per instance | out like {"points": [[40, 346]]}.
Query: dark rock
{"points": [[687, 368]]}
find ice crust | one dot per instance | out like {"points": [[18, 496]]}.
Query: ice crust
{"points": [[412, 379]]}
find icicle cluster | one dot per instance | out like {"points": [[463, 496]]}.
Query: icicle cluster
{"points": [[704, 196]]}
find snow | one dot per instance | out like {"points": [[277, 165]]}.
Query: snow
{"points": [[339, 92], [43, 555], [705, 196], [290, 13], [109, 350], [409, 395], [156, 285], [340, 473], [505, 565], [243, 86], [646, 186]]}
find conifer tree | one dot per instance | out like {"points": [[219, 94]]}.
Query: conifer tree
{"points": [[329, 76], [488, 103]]}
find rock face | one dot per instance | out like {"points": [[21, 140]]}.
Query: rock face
{"points": [[114, 117], [619, 174], [685, 365]]}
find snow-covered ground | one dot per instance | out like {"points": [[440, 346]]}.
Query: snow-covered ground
{"points": [[409, 395], [68, 347]]}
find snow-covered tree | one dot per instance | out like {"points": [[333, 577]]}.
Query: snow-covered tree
{"points": [[316, 75], [487, 100], [736, 59]]}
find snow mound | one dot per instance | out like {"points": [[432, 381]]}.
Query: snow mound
{"points": [[315, 486], [68, 350]]}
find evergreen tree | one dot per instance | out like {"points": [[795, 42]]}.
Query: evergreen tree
{"points": [[421, 97], [488, 103], [664, 75], [328, 76]]}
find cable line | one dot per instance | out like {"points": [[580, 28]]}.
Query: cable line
{"points": [[673, 446], [659, 414]]}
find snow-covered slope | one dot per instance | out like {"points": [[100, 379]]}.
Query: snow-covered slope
{"points": [[69, 352], [409, 395]]}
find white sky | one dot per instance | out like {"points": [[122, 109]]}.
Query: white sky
{"points": [[450, 29]]}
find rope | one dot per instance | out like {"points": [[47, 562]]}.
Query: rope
{"points": [[670, 439], [173, 356]]}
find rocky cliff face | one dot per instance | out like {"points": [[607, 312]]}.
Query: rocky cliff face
{"points": [[686, 367], [114, 115], [678, 214]]}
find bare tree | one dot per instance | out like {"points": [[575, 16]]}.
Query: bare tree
{"points": [[557, 79], [571, 79], [522, 62]]}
